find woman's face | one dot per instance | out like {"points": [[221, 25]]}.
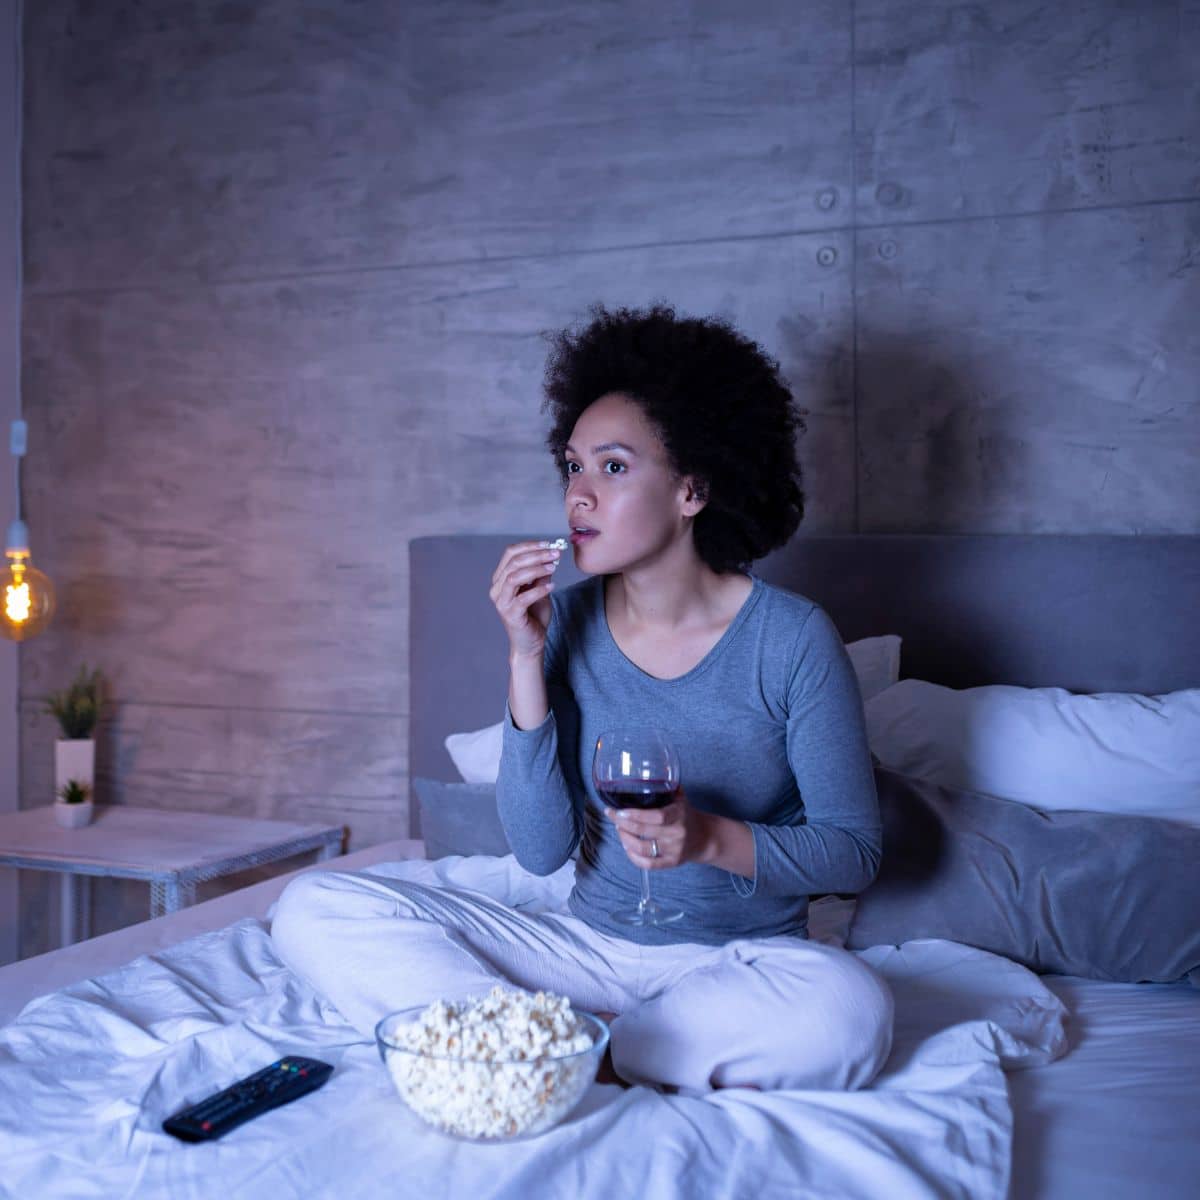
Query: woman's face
{"points": [[625, 505]]}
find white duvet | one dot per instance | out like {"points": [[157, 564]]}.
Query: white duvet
{"points": [[87, 1075]]}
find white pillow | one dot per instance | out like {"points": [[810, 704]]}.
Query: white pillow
{"points": [[1046, 747], [876, 662], [476, 755]]}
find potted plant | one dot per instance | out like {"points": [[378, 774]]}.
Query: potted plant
{"points": [[73, 807], [76, 709]]}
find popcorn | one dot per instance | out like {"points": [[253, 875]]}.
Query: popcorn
{"points": [[493, 1067]]}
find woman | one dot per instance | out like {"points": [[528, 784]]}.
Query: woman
{"points": [[675, 439]]}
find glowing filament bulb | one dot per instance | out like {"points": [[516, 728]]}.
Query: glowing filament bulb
{"points": [[16, 601], [28, 598]]}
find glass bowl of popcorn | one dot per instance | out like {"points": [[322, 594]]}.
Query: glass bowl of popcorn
{"points": [[504, 1065]]}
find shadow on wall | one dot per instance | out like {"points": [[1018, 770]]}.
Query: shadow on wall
{"points": [[939, 449], [929, 444]]}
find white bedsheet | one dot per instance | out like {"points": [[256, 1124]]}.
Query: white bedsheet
{"points": [[88, 1073], [1117, 1117]]}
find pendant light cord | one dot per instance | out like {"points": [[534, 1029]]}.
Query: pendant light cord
{"points": [[18, 140]]}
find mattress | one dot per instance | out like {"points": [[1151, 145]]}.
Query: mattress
{"points": [[999, 1083], [1117, 1115]]}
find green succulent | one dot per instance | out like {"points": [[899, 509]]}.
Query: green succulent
{"points": [[77, 707], [74, 792]]}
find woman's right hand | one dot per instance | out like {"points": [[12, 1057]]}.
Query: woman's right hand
{"points": [[521, 587]]}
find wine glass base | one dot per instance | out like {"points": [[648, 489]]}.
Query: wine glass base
{"points": [[650, 914]]}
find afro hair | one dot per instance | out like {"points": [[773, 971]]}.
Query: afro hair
{"points": [[723, 414]]}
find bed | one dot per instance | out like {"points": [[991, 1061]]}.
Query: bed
{"points": [[1003, 1081]]}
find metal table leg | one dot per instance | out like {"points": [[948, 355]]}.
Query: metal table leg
{"points": [[84, 893], [170, 893], [158, 897], [75, 908], [68, 894]]}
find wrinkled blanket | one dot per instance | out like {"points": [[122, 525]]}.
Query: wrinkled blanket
{"points": [[87, 1075]]}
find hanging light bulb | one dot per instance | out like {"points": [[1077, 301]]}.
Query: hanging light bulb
{"points": [[26, 594], [28, 599]]}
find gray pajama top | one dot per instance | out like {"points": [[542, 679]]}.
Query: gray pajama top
{"points": [[770, 730]]}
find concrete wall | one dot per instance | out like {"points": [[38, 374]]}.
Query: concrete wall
{"points": [[289, 265]]}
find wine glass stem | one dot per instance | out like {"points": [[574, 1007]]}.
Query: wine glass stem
{"points": [[644, 902]]}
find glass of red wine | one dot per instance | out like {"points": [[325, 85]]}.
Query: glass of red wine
{"points": [[638, 768]]}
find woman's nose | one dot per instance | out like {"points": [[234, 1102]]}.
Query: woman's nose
{"points": [[579, 493]]}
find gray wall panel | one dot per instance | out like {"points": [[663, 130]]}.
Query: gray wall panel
{"points": [[1059, 398], [1018, 106], [311, 137], [304, 766]]}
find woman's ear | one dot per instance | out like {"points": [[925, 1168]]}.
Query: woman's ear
{"points": [[695, 495]]}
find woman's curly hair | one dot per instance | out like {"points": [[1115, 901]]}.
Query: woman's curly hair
{"points": [[720, 407]]}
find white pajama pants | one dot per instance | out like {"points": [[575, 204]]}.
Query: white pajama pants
{"points": [[778, 1012]]}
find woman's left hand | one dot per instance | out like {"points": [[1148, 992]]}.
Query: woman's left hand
{"points": [[679, 833]]}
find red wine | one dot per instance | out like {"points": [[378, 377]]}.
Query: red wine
{"points": [[638, 793]]}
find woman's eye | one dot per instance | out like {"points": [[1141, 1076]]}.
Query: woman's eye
{"points": [[611, 467]]}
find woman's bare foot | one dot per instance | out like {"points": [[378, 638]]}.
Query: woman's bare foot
{"points": [[605, 1073]]}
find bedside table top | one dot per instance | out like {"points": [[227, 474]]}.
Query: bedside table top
{"points": [[145, 843]]}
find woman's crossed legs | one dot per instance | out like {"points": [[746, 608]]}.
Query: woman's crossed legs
{"points": [[774, 1012]]}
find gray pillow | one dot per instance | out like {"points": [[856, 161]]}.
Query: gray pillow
{"points": [[459, 818], [1075, 893]]}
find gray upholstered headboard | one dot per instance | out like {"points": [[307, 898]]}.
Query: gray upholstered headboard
{"points": [[1087, 613]]}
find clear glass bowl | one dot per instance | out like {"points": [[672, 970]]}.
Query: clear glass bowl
{"points": [[483, 1101]]}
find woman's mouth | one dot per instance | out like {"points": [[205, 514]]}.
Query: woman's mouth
{"points": [[581, 534]]}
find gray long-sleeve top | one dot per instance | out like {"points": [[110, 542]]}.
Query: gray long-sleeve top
{"points": [[770, 730]]}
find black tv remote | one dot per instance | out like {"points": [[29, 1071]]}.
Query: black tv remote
{"points": [[280, 1083]]}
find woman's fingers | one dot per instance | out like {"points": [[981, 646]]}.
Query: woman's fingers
{"points": [[648, 821], [641, 850], [515, 587], [514, 551], [520, 592], [641, 829], [518, 554], [522, 579], [525, 567], [522, 597]]}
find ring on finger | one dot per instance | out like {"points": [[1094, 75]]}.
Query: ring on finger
{"points": [[654, 847]]}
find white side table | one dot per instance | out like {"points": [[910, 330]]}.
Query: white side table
{"points": [[172, 851]]}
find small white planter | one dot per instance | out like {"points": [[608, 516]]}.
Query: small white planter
{"points": [[74, 758], [73, 816]]}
